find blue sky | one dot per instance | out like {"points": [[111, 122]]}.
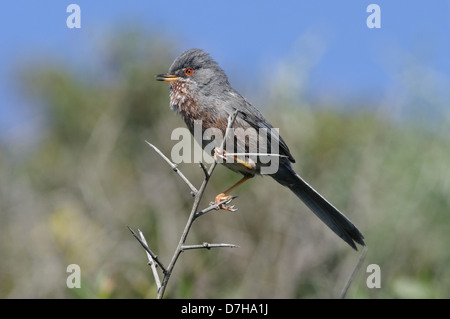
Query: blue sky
{"points": [[246, 37]]}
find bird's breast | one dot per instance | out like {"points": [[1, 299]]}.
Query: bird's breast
{"points": [[181, 98], [191, 109]]}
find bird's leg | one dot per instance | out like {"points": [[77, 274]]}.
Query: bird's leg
{"points": [[224, 196]]}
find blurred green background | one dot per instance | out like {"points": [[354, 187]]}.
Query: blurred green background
{"points": [[69, 197]]}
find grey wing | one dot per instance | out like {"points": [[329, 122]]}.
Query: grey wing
{"points": [[252, 116]]}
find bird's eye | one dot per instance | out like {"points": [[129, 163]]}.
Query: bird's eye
{"points": [[189, 71]]}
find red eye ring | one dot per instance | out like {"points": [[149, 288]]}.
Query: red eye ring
{"points": [[189, 71]]}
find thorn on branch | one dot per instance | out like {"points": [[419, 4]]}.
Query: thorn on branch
{"points": [[198, 194], [205, 171], [143, 244], [175, 169], [213, 206], [208, 246]]}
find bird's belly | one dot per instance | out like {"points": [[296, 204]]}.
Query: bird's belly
{"points": [[242, 169]]}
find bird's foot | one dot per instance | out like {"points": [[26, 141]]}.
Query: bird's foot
{"points": [[219, 154], [223, 197]]}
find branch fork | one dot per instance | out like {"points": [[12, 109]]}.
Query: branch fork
{"points": [[153, 260]]}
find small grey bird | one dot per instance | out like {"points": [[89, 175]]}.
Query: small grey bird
{"points": [[200, 91]]}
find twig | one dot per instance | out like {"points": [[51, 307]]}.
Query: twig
{"points": [[194, 190], [207, 246], [192, 217], [213, 207], [151, 263], [254, 154], [354, 272], [144, 244], [198, 194], [205, 171]]}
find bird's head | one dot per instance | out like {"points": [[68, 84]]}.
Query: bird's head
{"points": [[195, 67]]}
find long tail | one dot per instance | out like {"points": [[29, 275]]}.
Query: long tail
{"points": [[333, 218]]}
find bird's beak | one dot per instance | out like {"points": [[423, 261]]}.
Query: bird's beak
{"points": [[167, 77]]}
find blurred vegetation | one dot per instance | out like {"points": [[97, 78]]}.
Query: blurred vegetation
{"points": [[69, 199]]}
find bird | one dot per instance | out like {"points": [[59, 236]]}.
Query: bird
{"points": [[200, 92]]}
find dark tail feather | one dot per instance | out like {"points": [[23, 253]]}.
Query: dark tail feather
{"points": [[334, 219]]}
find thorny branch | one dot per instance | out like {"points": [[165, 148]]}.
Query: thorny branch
{"points": [[151, 263], [194, 191], [198, 194]]}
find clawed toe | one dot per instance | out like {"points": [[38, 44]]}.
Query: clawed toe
{"points": [[222, 197]]}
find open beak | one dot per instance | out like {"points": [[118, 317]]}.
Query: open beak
{"points": [[167, 77]]}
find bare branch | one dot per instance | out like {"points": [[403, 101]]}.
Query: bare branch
{"points": [[205, 171], [207, 246], [194, 190], [198, 194], [231, 120], [214, 206], [192, 217], [154, 257], [254, 154], [151, 262]]}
